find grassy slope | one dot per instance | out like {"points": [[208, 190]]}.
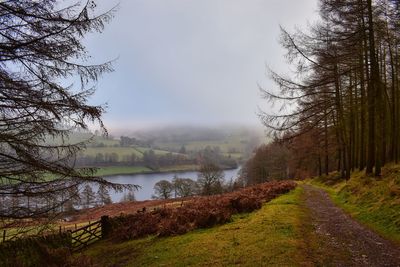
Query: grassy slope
{"points": [[374, 202], [232, 142], [122, 151], [270, 236]]}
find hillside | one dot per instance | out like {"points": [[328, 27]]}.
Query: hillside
{"points": [[301, 228], [271, 234], [163, 150]]}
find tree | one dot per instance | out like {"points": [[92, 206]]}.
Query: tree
{"points": [[128, 196], [73, 199], [103, 196], [182, 150], [210, 179], [163, 190], [40, 49], [184, 187], [88, 197], [344, 94], [270, 162], [150, 159]]}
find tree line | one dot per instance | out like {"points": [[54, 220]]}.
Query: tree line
{"points": [[345, 90], [151, 159], [210, 181]]}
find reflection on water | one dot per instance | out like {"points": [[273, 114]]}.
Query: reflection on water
{"points": [[147, 181]]}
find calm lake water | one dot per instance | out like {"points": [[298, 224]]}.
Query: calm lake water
{"points": [[147, 181]]}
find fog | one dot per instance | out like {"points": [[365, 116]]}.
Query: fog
{"points": [[191, 62]]}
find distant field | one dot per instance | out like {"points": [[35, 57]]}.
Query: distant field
{"points": [[115, 170], [235, 143], [190, 167], [122, 151], [156, 151], [233, 155]]}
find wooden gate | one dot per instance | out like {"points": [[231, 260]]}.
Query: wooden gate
{"points": [[86, 235]]}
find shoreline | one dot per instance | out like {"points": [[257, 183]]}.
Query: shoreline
{"points": [[185, 168]]}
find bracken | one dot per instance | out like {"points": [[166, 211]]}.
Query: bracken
{"points": [[200, 212]]}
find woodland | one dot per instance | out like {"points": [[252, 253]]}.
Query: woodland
{"points": [[340, 108]]}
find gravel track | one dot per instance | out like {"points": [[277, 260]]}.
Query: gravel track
{"points": [[343, 241]]}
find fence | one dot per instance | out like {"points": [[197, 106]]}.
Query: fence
{"points": [[88, 234], [77, 239]]}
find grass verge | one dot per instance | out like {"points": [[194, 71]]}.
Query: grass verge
{"points": [[271, 236], [372, 201]]}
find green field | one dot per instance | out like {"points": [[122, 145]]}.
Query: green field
{"points": [[156, 151], [271, 236], [235, 142], [115, 170], [178, 168], [120, 151]]}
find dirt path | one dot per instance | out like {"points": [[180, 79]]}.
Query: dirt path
{"points": [[341, 241]]}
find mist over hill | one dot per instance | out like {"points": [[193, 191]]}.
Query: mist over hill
{"points": [[187, 133]]}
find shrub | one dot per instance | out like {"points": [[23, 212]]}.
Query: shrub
{"points": [[200, 212]]}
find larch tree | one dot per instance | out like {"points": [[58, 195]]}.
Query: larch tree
{"points": [[40, 51], [345, 90]]}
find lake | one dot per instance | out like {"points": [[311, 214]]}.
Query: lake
{"points": [[148, 180]]}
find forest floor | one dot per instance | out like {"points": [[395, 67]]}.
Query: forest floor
{"points": [[341, 240]]}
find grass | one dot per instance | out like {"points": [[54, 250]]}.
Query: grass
{"points": [[120, 151], [373, 201], [116, 170], [271, 236], [178, 168], [238, 143]]}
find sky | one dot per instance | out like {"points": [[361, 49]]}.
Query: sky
{"points": [[194, 62]]}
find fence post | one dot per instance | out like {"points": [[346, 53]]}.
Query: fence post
{"points": [[105, 226]]}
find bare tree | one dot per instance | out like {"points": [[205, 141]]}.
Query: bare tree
{"points": [[344, 94], [103, 196], [210, 178], [184, 187], [128, 196], [163, 190], [40, 47]]}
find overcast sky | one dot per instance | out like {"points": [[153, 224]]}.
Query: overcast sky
{"points": [[191, 61]]}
